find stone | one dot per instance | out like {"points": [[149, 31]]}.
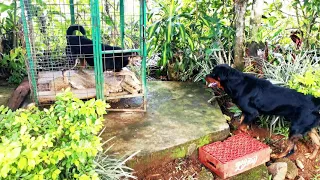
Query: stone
{"points": [[278, 170], [300, 164], [178, 121], [292, 172]]}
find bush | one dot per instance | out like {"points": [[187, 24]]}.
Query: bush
{"points": [[109, 167], [57, 143], [308, 83], [282, 72], [14, 63], [190, 36]]}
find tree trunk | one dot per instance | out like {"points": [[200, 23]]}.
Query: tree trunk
{"points": [[240, 9]]}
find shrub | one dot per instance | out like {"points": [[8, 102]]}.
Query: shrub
{"points": [[57, 143], [14, 63], [110, 167], [190, 36], [307, 83], [283, 71]]}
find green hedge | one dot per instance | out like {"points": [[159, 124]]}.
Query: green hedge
{"points": [[56, 143]]}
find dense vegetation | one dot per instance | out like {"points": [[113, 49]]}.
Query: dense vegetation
{"points": [[48, 144], [192, 36]]}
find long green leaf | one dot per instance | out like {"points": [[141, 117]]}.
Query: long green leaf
{"points": [[152, 29], [4, 7], [169, 27], [191, 44], [182, 31], [186, 15], [164, 55], [108, 20], [205, 21], [277, 33]]}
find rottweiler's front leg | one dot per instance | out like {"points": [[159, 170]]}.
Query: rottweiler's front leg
{"points": [[248, 115], [243, 127]]}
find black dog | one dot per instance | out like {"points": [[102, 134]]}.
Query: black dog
{"points": [[256, 96], [80, 45]]}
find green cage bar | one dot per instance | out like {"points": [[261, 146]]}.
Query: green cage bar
{"points": [[122, 22], [143, 21], [73, 21], [95, 21], [29, 54], [42, 68]]}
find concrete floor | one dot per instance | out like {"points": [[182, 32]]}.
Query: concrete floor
{"points": [[178, 121]]}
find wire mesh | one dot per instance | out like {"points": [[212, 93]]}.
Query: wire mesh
{"points": [[60, 60]]}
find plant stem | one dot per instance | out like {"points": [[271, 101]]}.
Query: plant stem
{"points": [[14, 33]]}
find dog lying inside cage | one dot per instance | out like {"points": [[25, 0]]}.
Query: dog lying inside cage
{"points": [[83, 46]]}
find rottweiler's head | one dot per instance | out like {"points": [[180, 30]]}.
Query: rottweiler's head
{"points": [[220, 73]]}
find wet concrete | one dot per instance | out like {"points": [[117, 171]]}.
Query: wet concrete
{"points": [[178, 121]]}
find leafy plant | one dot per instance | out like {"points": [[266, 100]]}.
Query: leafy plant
{"points": [[234, 109], [303, 16], [307, 16], [282, 72], [169, 30], [57, 143], [282, 129], [264, 121], [109, 167], [201, 36], [9, 26], [215, 57], [14, 63], [307, 83]]}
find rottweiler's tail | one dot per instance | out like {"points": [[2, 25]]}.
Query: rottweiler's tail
{"points": [[76, 27]]}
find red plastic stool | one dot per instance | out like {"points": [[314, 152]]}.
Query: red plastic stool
{"points": [[235, 155]]}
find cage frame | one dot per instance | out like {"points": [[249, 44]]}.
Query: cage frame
{"points": [[98, 52]]}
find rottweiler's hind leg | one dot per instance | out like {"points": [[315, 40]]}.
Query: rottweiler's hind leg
{"points": [[291, 142], [316, 141]]}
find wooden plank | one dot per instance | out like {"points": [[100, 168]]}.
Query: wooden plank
{"points": [[125, 96], [127, 110], [49, 96], [43, 74], [45, 77]]}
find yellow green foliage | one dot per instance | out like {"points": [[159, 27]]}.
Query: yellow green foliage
{"points": [[308, 83], [56, 143]]}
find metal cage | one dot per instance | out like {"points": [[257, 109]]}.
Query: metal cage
{"points": [[53, 66]]}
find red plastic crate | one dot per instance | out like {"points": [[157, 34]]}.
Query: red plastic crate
{"points": [[235, 155]]}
